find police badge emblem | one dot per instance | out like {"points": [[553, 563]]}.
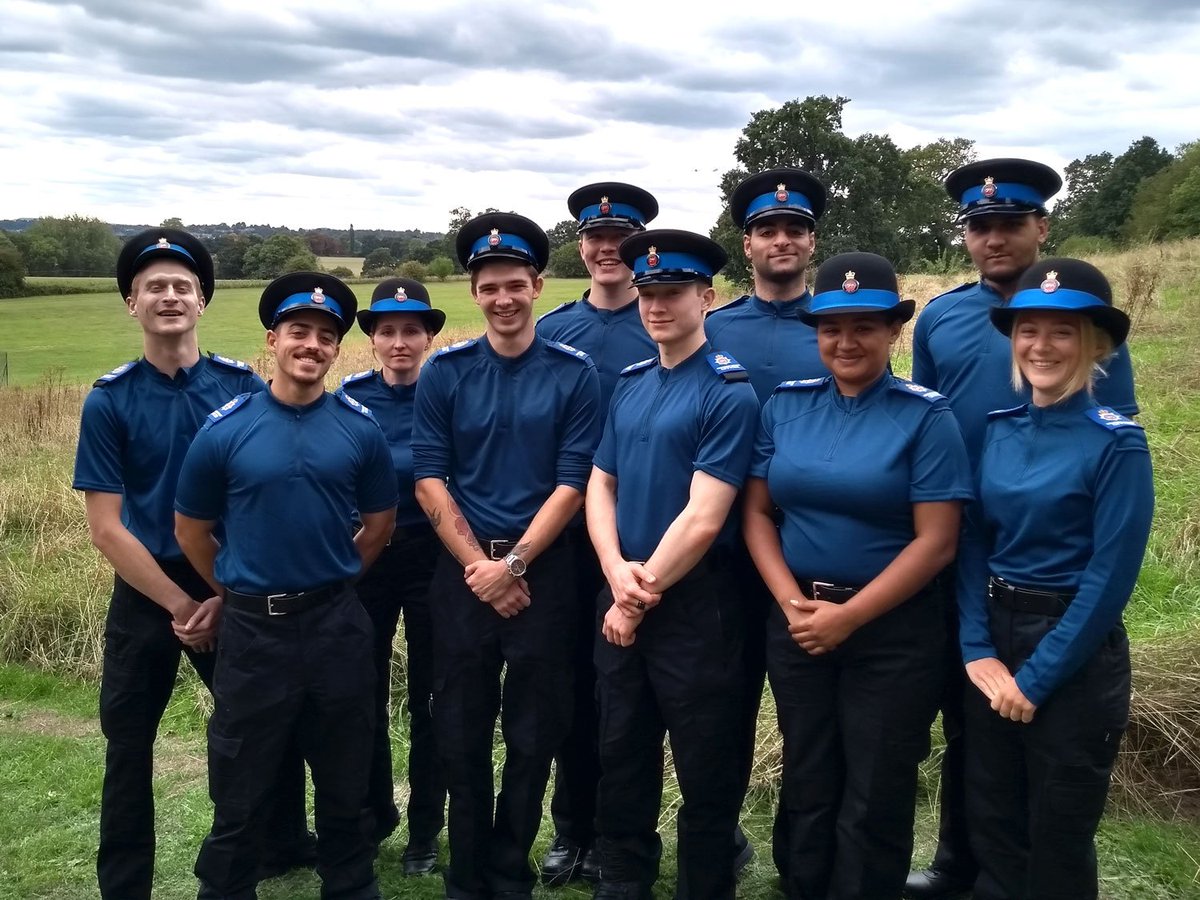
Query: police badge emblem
{"points": [[494, 238], [989, 187], [1050, 285], [781, 194], [318, 295], [652, 258], [850, 285]]}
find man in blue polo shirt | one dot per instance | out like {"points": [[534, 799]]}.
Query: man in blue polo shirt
{"points": [[503, 435], [285, 472], [605, 324], [137, 425], [675, 451], [957, 352]]}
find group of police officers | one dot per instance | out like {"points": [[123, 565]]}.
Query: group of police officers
{"points": [[273, 533]]}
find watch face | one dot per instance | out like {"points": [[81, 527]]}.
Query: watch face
{"points": [[516, 565]]}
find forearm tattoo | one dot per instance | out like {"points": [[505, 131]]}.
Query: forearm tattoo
{"points": [[461, 526]]}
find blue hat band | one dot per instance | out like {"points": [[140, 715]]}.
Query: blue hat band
{"points": [[796, 202], [833, 301], [1063, 298], [391, 304], [507, 242], [673, 264], [305, 301], [174, 248], [1005, 192], [615, 211]]}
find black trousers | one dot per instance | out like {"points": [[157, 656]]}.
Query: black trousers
{"points": [[1036, 792], [855, 725], [141, 661], [490, 835], [682, 676], [756, 603], [307, 676], [577, 762], [399, 582]]}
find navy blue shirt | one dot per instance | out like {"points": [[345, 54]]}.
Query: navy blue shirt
{"points": [[392, 405], [958, 352], [664, 425], [846, 471], [137, 425], [1066, 495], [286, 482], [505, 432], [768, 339], [613, 338]]}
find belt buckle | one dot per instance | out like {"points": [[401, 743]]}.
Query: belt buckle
{"points": [[492, 551], [271, 598]]}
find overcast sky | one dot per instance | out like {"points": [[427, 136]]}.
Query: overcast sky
{"points": [[303, 114]]}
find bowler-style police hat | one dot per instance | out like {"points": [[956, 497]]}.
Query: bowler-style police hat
{"points": [[1003, 186], [164, 243], [401, 295], [1066, 285], [504, 236], [298, 291], [667, 256], [612, 204], [777, 192], [857, 283]]}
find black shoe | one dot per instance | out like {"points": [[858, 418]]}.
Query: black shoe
{"points": [[935, 884], [279, 859], [743, 852], [562, 863], [420, 857], [590, 869]]}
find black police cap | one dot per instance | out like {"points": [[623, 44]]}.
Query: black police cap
{"points": [[1068, 285], [1004, 186], [857, 283], [612, 204], [506, 236], [666, 255], [299, 291], [401, 295], [777, 192], [164, 243]]}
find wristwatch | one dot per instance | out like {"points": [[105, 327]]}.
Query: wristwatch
{"points": [[515, 565]]}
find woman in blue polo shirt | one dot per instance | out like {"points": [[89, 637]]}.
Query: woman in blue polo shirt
{"points": [[868, 472], [1049, 558], [401, 324]]}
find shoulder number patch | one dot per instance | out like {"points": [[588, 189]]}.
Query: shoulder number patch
{"points": [[227, 409], [122, 369], [358, 376], [230, 363], [919, 390], [558, 308], [1110, 418], [569, 350], [353, 404], [803, 384], [639, 366], [727, 367], [456, 346]]}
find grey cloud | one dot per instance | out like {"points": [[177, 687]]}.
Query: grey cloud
{"points": [[92, 115], [653, 105]]}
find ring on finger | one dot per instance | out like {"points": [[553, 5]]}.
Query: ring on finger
{"points": [[641, 604]]}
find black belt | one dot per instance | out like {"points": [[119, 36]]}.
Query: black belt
{"points": [[1018, 599], [283, 604], [832, 593], [498, 549]]}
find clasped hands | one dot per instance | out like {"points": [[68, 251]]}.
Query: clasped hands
{"points": [[491, 582], [997, 684], [196, 624], [633, 595]]}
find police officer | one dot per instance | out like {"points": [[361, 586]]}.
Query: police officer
{"points": [[284, 472], [956, 351], [869, 473], [401, 325], [137, 424], [778, 211], [1050, 557], [605, 324], [675, 450], [503, 434]]}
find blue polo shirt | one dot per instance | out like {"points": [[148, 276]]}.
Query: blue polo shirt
{"points": [[664, 425], [137, 425], [392, 405], [768, 339], [846, 471], [1066, 495], [505, 432], [285, 482], [613, 338], [958, 352]]}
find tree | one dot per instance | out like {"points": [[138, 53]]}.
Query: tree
{"points": [[565, 262], [322, 244], [379, 262], [12, 268], [1101, 189], [173, 222], [229, 253], [441, 268], [565, 232], [277, 255], [341, 272], [1078, 212], [412, 269], [75, 245]]}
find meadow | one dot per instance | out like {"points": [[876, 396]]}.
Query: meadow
{"points": [[54, 589]]}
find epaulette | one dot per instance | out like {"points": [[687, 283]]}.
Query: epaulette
{"points": [[569, 350], [456, 346], [904, 386], [803, 384], [727, 367], [122, 369], [227, 409], [230, 363], [353, 404], [639, 366], [1110, 418], [558, 308], [732, 304], [1011, 411], [357, 376], [962, 287]]}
